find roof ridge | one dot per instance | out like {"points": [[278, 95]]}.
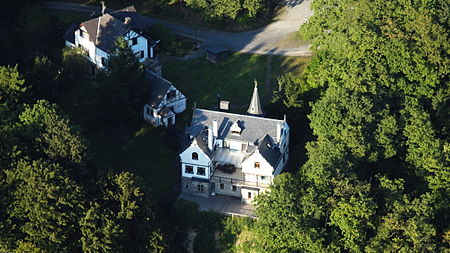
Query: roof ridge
{"points": [[243, 115]]}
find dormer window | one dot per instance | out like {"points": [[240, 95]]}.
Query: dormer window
{"points": [[256, 165], [235, 128], [134, 41], [194, 156], [171, 95]]}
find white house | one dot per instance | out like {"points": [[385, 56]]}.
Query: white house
{"points": [[97, 36], [234, 154], [165, 101]]}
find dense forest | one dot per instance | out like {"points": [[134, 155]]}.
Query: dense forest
{"points": [[375, 95], [377, 178]]}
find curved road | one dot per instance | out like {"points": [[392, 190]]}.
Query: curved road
{"points": [[267, 40]]}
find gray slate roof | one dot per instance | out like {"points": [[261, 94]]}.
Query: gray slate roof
{"points": [[269, 151], [158, 87], [216, 49], [69, 35], [253, 128], [104, 30]]}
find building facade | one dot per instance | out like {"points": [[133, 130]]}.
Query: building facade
{"points": [[97, 36], [165, 101], [234, 154]]}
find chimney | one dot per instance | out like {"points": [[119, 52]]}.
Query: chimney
{"points": [[210, 138], [127, 21], [215, 129], [103, 7], [279, 133]]}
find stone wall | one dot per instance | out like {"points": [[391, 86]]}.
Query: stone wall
{"points": [[195, 187]]}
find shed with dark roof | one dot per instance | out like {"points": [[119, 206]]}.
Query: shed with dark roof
{"points": [[216, 54]]}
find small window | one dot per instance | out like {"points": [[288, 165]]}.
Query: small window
{"points": [[222, 186], [104, 61], [249, 195], [201, 171], [263, 178], [134, 41], [234, 188], [194, 156], [82, 34], [189, 169], [172, 94], [148, 111], [200, 187], [187, 186], [256, 165]]}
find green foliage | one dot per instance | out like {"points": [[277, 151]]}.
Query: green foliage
{"points": [[121, 219], [34, 29], [429, 154], [46, 205], [169, 42], [123, 90], [290, 88], [232, 228], [74, 61], [219, 9], [12, 89], [407, 227], [364, 122], [42, 77], [48, 132], [376, 175]]}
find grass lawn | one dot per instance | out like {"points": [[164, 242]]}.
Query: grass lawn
{"points": [[202, 81], [126, 146]]}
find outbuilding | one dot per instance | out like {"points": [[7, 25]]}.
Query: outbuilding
{"points": [[216, 54]]}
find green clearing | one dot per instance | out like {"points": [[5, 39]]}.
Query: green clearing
{"points": [[202, 81]]}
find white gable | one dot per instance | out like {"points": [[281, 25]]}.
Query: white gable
{"points": [[248, 165]]}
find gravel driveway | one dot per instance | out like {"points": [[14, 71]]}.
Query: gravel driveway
{"points": [[266, 40]]}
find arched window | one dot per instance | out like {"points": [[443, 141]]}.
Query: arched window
{"points": [[194, 156], [257, 165]]}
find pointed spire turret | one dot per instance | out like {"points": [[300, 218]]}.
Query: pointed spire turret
{"points": [[255, 105]]}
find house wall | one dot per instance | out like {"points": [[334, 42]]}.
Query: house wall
{"points": [[203, 161], [95, 54], [178, 103], [253, 193], [85, 43], [151, 117], [248, 166], [227, 187], [190, 186], [142, 44]]}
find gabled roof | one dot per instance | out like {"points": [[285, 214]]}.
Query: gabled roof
{"points": [[255, 105], [104, 29], [253, 128], [158, 87], [216, 49], [201, 140], [69, 35], [269, 151]]}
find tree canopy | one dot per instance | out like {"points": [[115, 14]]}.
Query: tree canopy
{"points": [[377, 175]]}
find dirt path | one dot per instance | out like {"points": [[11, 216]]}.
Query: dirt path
{"points": [[266, 40]]}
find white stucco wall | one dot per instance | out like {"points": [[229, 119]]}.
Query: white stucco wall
{"points": [[248, 166], [95, 54], [203, 161], [141, 45]]}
